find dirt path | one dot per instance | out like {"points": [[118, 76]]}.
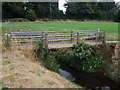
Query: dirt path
{"points": [[64, 45], [50, 46]]}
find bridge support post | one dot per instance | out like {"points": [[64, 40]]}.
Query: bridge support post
{"points": [[103, 39], [46, 41], [97, 35], [71, 36], [77, 37], [31, 42], [8, 41]]}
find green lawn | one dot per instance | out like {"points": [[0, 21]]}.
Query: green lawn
{"points": [[111, 28]]}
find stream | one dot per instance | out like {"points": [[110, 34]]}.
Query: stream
{"points": [[92, 81]]}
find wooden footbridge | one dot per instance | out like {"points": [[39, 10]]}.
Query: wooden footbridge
{"points": [[54, 39]]}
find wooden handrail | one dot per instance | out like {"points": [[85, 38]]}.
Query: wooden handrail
{"points": [[55, 36]]}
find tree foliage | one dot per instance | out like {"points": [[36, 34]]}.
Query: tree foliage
{"points": [[85, 10], [12, 10], [30, 15], [75, 10], [117, 19]]}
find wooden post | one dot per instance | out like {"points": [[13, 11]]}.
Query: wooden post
{"points": [[104, 39], [31, 42], [46, 41], [77, 37], [97, 34], [8, 41], [71, 36], [43, 34]]}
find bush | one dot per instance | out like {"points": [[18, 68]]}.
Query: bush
{"points": [[81, 51], [51, 63], [48, 59], [91, 64], [81, 57], [30, 15]]}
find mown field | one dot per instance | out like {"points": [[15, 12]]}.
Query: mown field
{"points": [[111, 28]]}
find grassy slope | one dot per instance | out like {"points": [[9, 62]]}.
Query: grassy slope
{"points": [[111, 28], [21, 72]]}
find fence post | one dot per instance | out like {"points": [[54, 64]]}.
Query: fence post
{"points": [[46, 41], [103, 39], [71, 36], [77, 37], [31, 42], [43, 34], [8, 41], [97, 34]]}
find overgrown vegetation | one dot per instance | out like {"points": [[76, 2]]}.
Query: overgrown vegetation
{"points": [[109, 72], [112, 70], [81, 57], [48, 60]]}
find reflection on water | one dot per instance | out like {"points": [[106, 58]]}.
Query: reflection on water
{"points": [[66, 74], [94, 80]]}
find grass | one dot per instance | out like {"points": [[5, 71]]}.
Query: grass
{"points": [[108, 27], [1, 83], [6, 62], [2, 86]]}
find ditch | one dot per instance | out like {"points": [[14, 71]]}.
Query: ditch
{"points": [[90, 80], [71, 65]]}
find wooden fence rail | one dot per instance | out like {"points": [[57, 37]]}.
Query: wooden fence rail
{"points": [[27, 38]]}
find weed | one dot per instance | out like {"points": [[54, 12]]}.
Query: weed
{"points": [[50, 83], [2, 86], [81, 57], [51, 63], [11, 68], [6, 62], [12, 79], [1, 83], [109, 73], [48, 60]]}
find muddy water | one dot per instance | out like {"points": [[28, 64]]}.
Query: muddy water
{"points": [[94, 81]]}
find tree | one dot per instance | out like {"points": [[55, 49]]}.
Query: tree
{"points": [[93, 10], [75, 10], [42, 9], [30, 15], [117, 19], [12, 10]]}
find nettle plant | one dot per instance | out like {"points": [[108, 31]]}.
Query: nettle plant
{"points": [[84, 58]]}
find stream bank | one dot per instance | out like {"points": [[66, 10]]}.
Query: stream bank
{"points": [[66, 63], [93, 80]]}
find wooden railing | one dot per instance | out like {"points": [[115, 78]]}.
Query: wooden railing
{"points": [[52, 37]]}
